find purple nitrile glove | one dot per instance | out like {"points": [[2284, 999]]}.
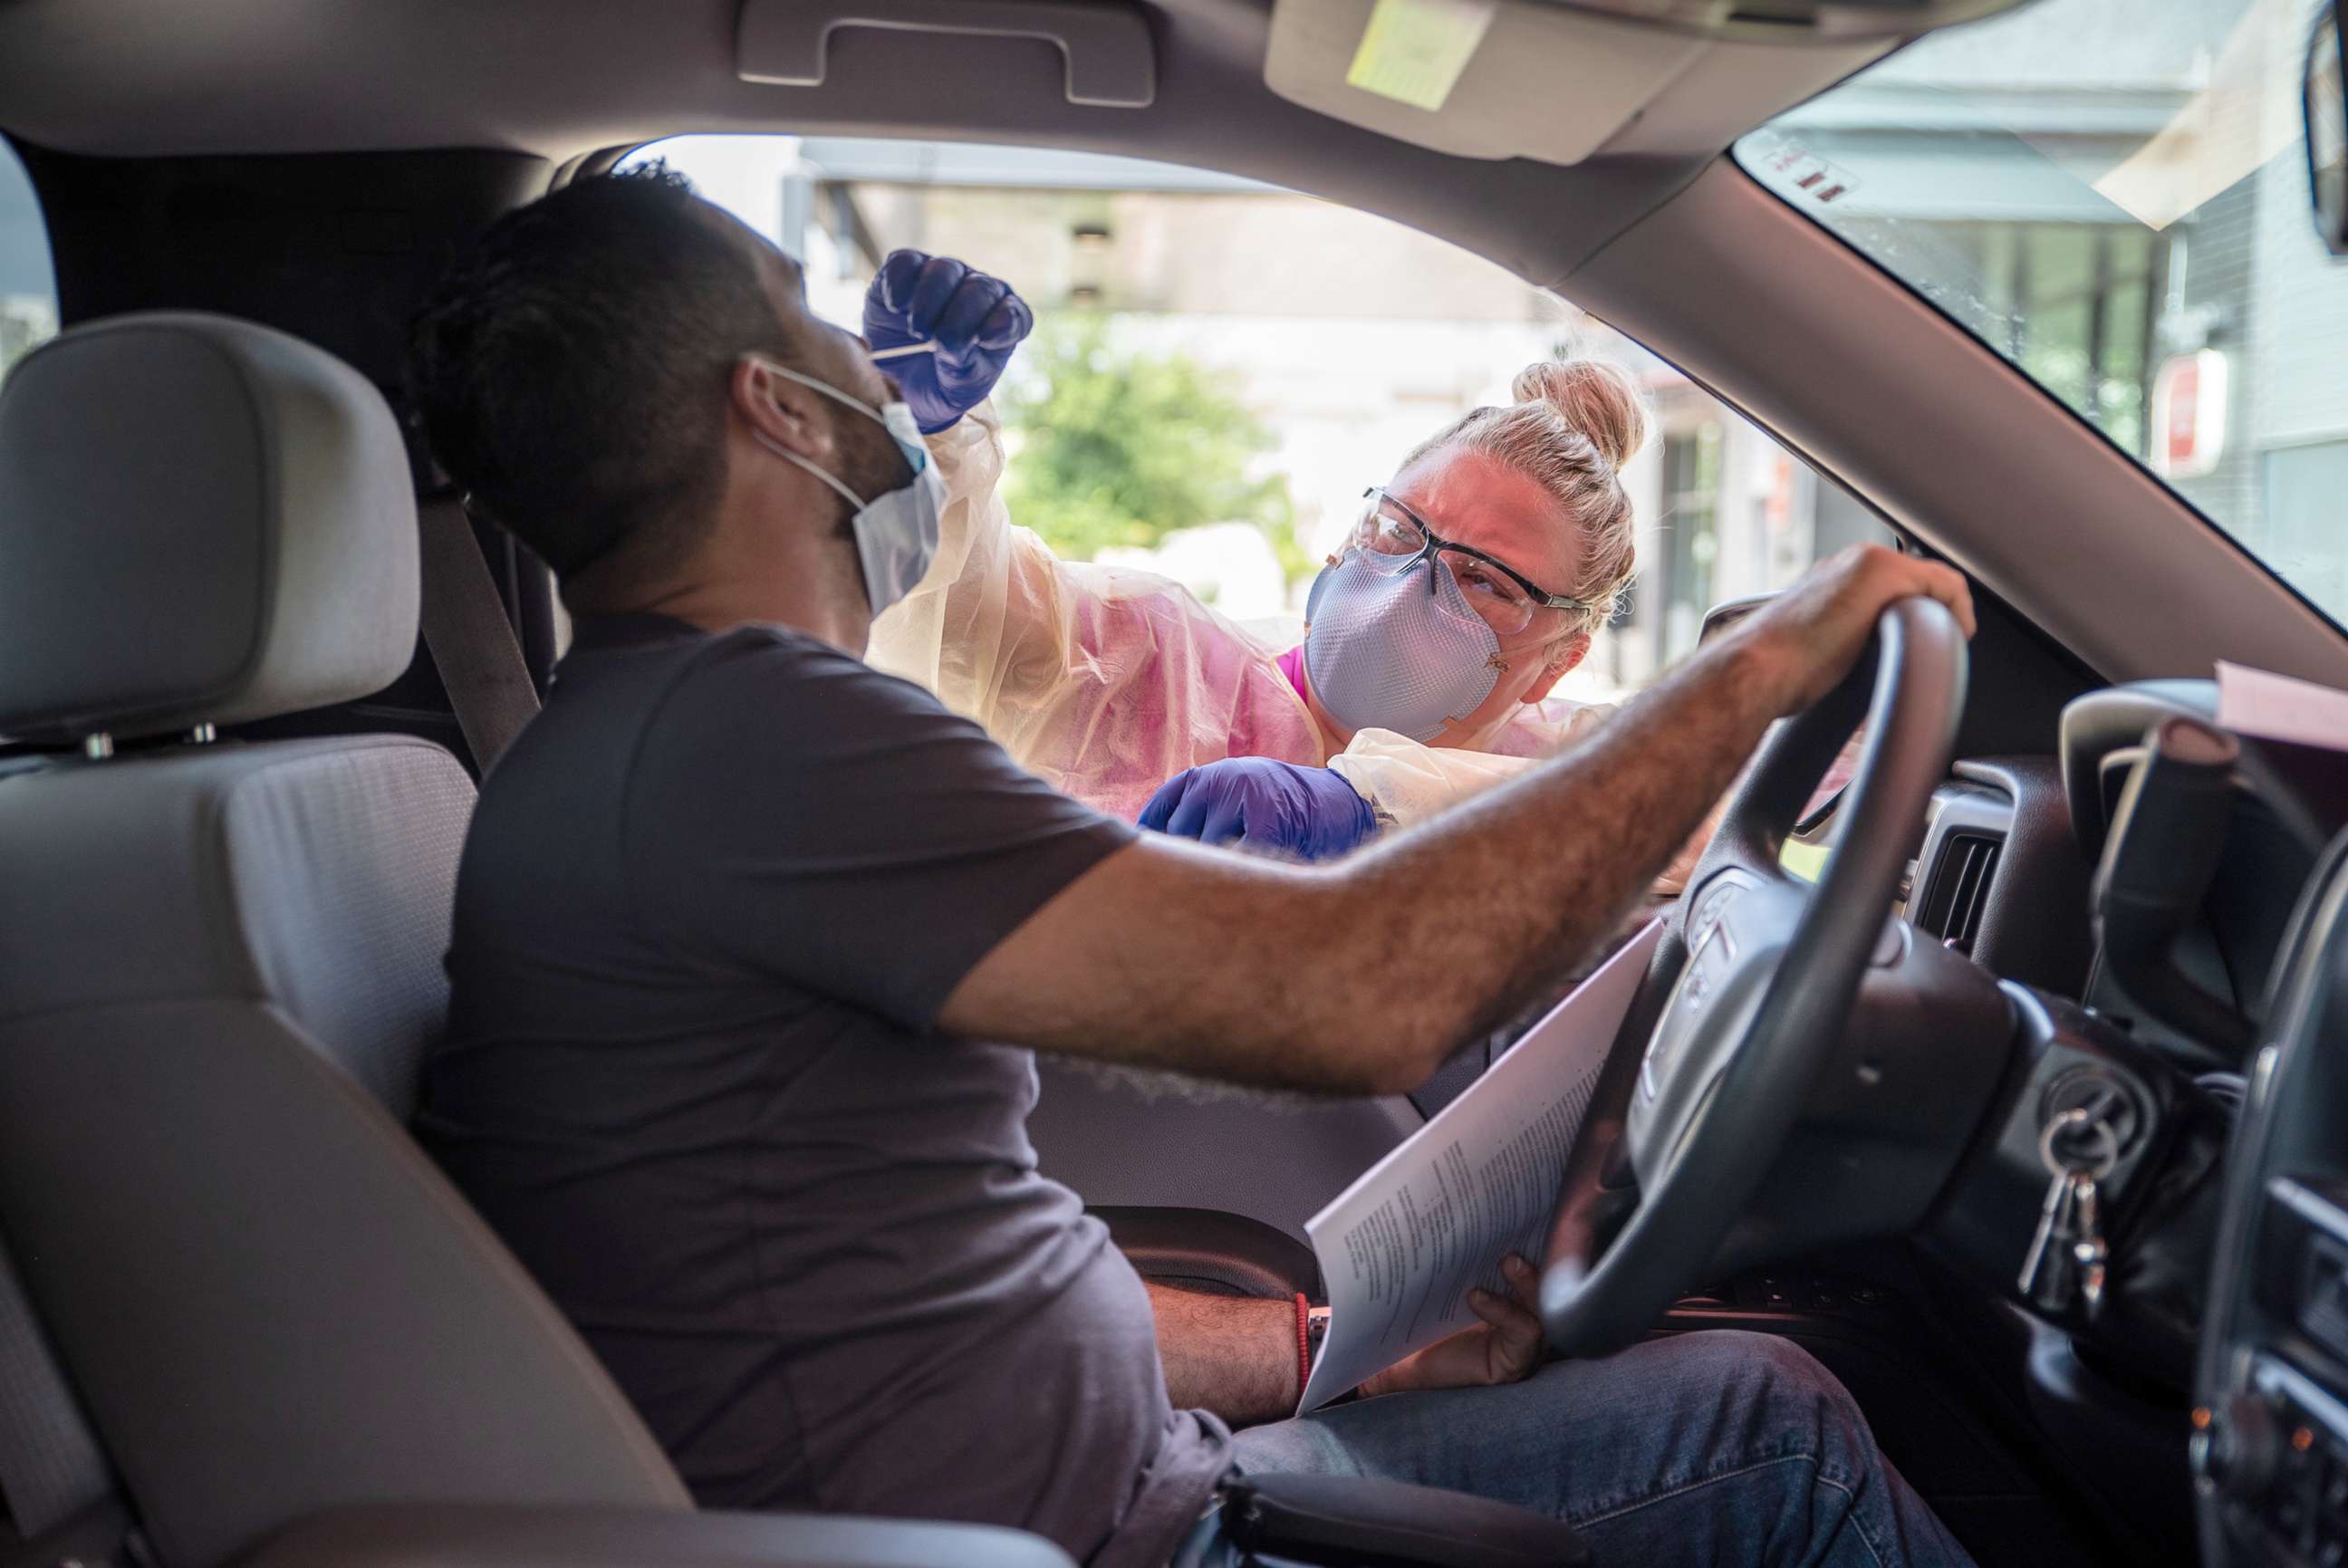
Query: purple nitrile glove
{"points": [[1264, 804], [974, 320]]}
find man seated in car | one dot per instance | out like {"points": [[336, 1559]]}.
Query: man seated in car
{"points": [[740, 921]]}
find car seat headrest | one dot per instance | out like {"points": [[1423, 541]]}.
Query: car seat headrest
{"points": [[201, 521]]}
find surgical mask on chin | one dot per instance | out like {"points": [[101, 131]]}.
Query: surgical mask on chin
{"points": [[897, 530], [1383, 652]]}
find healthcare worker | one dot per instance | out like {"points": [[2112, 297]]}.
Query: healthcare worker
{"points": [[1468, 587]]}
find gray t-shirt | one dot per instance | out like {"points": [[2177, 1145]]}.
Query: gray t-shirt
{"points": [[712, 899]]}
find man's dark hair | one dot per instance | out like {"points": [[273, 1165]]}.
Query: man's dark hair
{"points": [[572, 368]]}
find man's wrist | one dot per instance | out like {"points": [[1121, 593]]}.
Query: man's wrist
{"points": [[1754, 660]]}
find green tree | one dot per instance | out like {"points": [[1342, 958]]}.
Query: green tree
{"points": [[1121, 448]]}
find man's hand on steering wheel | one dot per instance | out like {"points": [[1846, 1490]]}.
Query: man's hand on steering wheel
{"points": [[1809, 636]]}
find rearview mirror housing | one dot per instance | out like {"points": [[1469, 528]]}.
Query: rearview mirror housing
{"points": [[2326, 109]]}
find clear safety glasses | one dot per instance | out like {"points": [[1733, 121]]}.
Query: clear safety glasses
{"points": [[1503, 597]]}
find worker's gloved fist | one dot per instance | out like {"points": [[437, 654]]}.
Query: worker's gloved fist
{"points": [[974, 320], [1310, 813]]}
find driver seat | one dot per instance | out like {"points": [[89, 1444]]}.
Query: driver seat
{"points": [[218, 963]]}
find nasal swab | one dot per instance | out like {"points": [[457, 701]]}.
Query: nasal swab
{"points": [[927, 345]]}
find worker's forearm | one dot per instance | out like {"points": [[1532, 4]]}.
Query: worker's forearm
{"points": [[1235, 1356], [1442, 931]]}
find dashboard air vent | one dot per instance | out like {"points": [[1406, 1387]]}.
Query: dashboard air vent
{"points": [[1959, 889]]}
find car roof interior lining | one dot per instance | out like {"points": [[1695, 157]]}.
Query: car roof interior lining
{"points": [[547, 76]]}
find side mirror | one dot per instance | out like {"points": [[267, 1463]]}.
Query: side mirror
{"points": [[1727, 613], [2326, 109]]}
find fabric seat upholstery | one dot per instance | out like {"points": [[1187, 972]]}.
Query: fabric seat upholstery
{"points": [[218, 963], [314, 877]]}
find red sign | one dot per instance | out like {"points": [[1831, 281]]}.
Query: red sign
{"points": [[2188, 415]]}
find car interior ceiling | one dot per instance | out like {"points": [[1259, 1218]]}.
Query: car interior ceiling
{"points": [[310, 166]]}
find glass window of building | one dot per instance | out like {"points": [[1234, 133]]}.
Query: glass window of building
{"points": [[2115, 198]]}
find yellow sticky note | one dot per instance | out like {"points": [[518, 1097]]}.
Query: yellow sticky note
{"points": [[1414, 51], [1807, 862]]}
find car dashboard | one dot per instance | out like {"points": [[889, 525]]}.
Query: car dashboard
{"points": [[2008, 848], [2245, 1294]]}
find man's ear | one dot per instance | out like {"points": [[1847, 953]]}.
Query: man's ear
{"points": [[1568, 652], [789, 414]]}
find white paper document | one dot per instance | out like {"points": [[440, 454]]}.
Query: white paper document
{"points": [[2278, 707], [1400, 1247]]}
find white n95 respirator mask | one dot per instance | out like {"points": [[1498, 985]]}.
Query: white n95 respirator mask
{"points": [[1391, 643], [896, 532]]}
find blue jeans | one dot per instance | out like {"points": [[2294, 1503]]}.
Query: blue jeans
{"points": [[1714, 1449]]}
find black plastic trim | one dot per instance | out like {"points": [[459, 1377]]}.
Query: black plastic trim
{"points": [[1214, 1251]]}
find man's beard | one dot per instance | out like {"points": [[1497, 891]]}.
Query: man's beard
{"points": [[871, 464]]}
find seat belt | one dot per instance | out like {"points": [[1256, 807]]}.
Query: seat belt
{"points": [[471, 640], [51, 1467]]}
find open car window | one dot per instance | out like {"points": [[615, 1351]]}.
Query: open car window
{"points": [[1220, 367], [2115, 197]]}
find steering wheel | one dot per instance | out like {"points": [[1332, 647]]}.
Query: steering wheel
{"points": [[1756, 975]]}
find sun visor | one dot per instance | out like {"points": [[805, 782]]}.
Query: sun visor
{"points": [[1477, 79]]}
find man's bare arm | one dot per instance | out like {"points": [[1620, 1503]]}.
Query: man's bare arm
{"points": [[1361, 976], [1233, 1354]]}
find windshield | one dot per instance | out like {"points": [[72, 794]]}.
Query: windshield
{"points": [[2113, 196]]}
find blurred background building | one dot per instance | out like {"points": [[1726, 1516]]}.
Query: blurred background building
{"points": [[2116, 196]]}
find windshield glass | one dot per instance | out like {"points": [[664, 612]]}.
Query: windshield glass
{"points": [[2113, 196]]}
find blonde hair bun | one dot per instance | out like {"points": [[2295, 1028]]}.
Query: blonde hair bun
{"points": [[1574, 424], [1596, 396]]}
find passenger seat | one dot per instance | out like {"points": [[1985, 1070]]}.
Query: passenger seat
{"points": [[219, 962]]}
